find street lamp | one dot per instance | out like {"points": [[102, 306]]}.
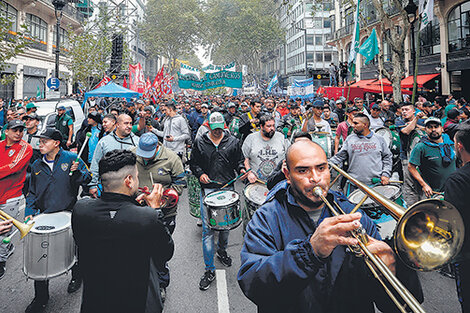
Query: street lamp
{"points": [[305, 45], [58, 6], [411, 9]]}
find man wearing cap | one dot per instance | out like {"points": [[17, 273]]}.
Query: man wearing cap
{"points": [[96, 130], [215, 160], [244, 107], [30, 136], [193, 118], [157, 164], [15, 154], [232, 119], [51, 190], [64, 124], [339, 110], [291, 122], [31, 108], [315, 123], [375, 120], [121, 138], [434, 156]]}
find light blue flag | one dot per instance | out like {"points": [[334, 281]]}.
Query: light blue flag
{"points": [[273, 83], [370, 47]]}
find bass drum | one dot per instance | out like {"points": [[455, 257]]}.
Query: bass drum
{"points": [[49, 248], [223, 209], [194, 193], [325, 140]]}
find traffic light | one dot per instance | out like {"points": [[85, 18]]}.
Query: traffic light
{"points": [[116, 54]]}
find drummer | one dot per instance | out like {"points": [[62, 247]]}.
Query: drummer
{"points": [[52, 189], [263, 150], [315, 123], [215, 159], [368, 154]]}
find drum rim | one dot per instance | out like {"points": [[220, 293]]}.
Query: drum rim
{"points": [[250, 186], [55, 230], [225, 205], [395, 196]]}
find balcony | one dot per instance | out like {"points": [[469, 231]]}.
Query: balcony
{"points": [[70, 11]]}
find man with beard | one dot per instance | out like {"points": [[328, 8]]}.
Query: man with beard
{"points": [[457, 192], [434, 157], [249, 121], [64, 124], [367, 154], [263, 150], [268, 108], [292, 121], [295, 256], [215, 160]]}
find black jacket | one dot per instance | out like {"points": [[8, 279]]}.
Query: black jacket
{"points": [[121, 244], [81, 136], [219, 163], [245, 127]]}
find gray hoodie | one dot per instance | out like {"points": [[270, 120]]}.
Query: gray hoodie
{"points": [[177, 127], [368, 157], [109, 143]]}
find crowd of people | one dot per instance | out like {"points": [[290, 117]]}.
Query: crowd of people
{"points": [[295, 256]]}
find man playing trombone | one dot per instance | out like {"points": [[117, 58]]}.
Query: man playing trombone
{"points": [[295, 256]]}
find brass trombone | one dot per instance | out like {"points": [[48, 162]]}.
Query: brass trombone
{"points": [[23, 228], [428, 235]]}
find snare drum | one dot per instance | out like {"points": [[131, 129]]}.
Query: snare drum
{"points": [[255, 195], [391, 192], [49, 248], [194, 192], [222, 209], [325, 140]]}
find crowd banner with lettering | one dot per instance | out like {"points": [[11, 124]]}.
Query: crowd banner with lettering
{"points": [[211, 80], [301, 89], [186, 69], [217, 68]]}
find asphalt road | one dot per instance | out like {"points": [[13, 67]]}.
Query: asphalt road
{"points": [[186, 268]]}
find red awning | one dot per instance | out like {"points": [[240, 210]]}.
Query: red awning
{"points": [[420, 79], [363, 83], [387, 89], [383, 81]]}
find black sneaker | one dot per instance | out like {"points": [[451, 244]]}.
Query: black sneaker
{"points": [[206, 280], [3, 269], [74, 285], [36, 306], [224, 258]]}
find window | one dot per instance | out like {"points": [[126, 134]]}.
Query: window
{"points": [[63, 37], [10, 13], [318, 40], [458, 27], [327, 57], [317, 23], [37, 28], [309, 56], [309, 39], [429, 39], [319, 57], [326, 23]]}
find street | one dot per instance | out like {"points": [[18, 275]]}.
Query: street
{"points": [[186, 268]]}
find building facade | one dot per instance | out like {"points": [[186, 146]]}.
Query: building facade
{"points": [[37, 63], [305, 52], [444, 45]]}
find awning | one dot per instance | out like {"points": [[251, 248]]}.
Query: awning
{"points": [[387, 89], [420, 79], [363, 83], [383, 81]]}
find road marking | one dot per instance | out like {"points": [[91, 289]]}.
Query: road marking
{"points": [[222, 292]]}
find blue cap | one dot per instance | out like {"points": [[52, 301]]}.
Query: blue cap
{"points": [[60, 107], [375, 106], [147, 145], [318, 104]]}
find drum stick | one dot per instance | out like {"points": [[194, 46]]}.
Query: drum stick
{"points": [[144, 190], [88, 135], [334, 181], [260, 181], [151, 178], [215, 182], [359, 204], [235, 179], [376, 180]]}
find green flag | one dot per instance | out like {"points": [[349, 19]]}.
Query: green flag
{"points": [[370, 47], [355, 42], [38, 93]]}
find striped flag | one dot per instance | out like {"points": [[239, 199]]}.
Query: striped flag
{"points": [[274, 81]]}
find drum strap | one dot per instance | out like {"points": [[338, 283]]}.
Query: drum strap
{"points": [[252, 124]]}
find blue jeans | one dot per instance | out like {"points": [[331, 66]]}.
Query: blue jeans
{"points": [[208, 235], [332, 80]]}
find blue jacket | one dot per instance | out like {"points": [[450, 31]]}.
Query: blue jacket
{"points": [[55, 191], [280, 273]]}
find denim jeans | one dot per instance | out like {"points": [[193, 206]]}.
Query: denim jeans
{"points": [[208, 234]]}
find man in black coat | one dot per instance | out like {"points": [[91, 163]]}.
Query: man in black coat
{"points": [[121, 243]]}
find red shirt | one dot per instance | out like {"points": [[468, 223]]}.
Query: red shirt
{"points": [[14, 161], [283, 111]]}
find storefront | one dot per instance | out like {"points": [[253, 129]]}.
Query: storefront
{"points": [[34, 81]]}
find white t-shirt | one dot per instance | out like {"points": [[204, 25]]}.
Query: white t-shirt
{"points": [[322, 126], [375, 123], [264, 155]]}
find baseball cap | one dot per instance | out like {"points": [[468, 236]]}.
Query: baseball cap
{"points": [[231, 105], [339, 101], [95, 116], [15, 124], [31, 105], [204, 105], [216, 120], [32, 116], [60, 107], [375, 107], [432, 119], [140, 101], [147, 145], [244, 104], [51, 133], [294, 106], [318, 104], [352, 109], [428, 104]]}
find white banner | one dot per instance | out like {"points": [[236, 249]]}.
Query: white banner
{"points": [[426, 10], [186, 69]]}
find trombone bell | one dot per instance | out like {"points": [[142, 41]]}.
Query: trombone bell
{"points": [[23, 228]]}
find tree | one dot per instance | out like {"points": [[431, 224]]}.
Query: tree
{"points": [[395, 31], [13, 43], [242, 30], [171, 28]]}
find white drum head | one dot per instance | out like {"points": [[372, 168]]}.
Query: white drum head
{"points": [[221, 198], [386, 134], [51, 222], [256, 193], [391, 192]]}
